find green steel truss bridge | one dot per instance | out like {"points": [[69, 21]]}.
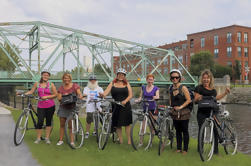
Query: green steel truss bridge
{"points": [[39, 45]]}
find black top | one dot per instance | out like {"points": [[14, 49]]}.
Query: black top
{"points": [[205, 92], [119, 94], [122, 116], [179, 99]]}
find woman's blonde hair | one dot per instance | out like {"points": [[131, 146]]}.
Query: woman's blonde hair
{"points": [[210, 75], [67, 75]]}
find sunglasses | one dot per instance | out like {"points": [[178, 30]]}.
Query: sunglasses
{"points": [[172, 78]]}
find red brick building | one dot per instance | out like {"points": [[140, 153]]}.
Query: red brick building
{"points": [[227, 44]]}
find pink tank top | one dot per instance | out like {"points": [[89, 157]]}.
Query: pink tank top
{"points": [[45, 92]]}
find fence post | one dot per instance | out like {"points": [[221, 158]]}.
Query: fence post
{"points": [[15, 104]]}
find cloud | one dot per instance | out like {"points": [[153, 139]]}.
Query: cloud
{"points": [[152, 22]]}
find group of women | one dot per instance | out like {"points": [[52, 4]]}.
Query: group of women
{"points": [[120, 89]]}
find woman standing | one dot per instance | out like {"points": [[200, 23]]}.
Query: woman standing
{"points": [[149, 92], [180, 99], [46, 106], [122, 116], [65, 109], [206, 88]]}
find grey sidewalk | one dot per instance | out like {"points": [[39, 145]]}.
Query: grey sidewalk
{"points": [[11, 155]]}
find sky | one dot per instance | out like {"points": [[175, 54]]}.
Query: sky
{"points": [[152, 22]]}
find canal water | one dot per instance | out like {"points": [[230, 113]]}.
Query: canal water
{"points": [[241, 115]]}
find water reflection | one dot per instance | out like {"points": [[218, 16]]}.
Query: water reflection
{"points": [[241, 115]]}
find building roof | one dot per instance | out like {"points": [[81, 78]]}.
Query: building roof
{"points": [[215, 29]]}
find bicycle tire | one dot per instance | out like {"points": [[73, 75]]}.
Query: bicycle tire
{"points": [[22, 118], [163, 136], [77, 133], [105, 132], [231, 142], [144, 135], [96, 126], [206, 135]]}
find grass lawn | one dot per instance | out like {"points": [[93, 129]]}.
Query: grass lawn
{"points": [[119, 155]]}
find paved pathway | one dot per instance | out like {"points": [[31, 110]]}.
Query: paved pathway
{"points": [[11, 155]]}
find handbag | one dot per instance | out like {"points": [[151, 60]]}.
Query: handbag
{"points": [[207, 102], [69, 99]]}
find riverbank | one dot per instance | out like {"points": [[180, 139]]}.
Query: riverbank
{"points": [[116, 154]]}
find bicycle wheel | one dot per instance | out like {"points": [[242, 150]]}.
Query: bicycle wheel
{"points": [[230, 144], [74, 133], [171, 133], [164, 136], [105, 132], [141, 136], [20, 128], [206, 140], [96, 125]]}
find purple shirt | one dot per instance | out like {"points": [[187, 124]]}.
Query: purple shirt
{"points": [[149, 96]]}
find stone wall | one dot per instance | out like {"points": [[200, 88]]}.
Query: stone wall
{"points": [[240, 95]]}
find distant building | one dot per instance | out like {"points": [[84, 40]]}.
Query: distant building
{"points": [[87, 63], [227, 44]]}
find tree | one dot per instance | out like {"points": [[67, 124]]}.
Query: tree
{"points": [[99, 70], [237, 69], [74, 72], [5, 63], [200, 61], [221, 71]]}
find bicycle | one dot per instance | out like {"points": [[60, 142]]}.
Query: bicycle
{"points": [[107, 123], [22, 124], [97, 118], [74, 131], [225, 130], [146, 126], [166, 129]]}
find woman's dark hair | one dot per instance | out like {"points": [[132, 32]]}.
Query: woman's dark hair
{"points": [[41, 79], [124, 81]]}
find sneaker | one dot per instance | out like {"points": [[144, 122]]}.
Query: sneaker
{"points": [[60, 143], [47, 141], [94, 133], [72, 144], [37, 141], [86, 135], [140, 145]]}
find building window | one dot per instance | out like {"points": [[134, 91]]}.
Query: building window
{"points": [[191, 43], [245, 37], [216, 40], [158, 61], [184, 46], [154, 61], [165, 61], [180, 59], [229, 51], [229, 63], [216, 53], [239, 37], [246, 63], [202, 42], [165, 70], [239, 51], [229, 37], [246, 52], [172, 60]]}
